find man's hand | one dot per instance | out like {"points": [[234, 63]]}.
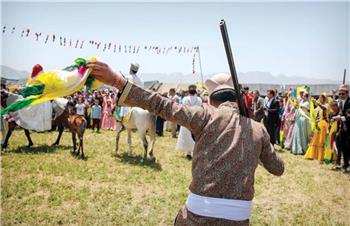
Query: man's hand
{"points": [[105, 74]]}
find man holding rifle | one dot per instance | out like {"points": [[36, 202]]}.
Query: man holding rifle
{"points": [[227, 151]]}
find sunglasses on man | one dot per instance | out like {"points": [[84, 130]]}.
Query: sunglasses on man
{"points": [[341, 94]]}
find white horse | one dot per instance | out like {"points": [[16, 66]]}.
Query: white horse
{"points": [[145, 123]]}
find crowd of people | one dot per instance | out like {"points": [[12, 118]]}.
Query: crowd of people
{"points": [[316, 128], [313, 126]]}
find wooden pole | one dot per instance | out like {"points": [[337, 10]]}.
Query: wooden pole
{"points": [[200, 65]]}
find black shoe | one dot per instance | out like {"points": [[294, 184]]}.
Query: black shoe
{"points": [[188, 156]]}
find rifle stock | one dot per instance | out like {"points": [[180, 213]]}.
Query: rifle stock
{"points": [[231, 63]]}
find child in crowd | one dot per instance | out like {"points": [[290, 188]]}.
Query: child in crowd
{"points": [[80, 107], [96, 112]]}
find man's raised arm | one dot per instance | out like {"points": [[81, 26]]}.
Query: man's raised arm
{"points": [[192, 117]]}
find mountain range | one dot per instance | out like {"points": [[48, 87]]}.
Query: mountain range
{"points": [[251, 77]]}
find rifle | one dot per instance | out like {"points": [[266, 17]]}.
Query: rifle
{"points": [[231, 63]]}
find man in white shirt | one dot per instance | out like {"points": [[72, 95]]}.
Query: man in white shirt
{"points": [[132, 76]]}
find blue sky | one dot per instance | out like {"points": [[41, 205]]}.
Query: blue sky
{"points": [[295, 39]]}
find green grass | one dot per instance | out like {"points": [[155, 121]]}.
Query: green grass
{"points": [[45, 185]]}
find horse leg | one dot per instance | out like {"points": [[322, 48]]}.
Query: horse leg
{"points": [[60, 131], [74, 142], [152, 135], [145, 143], [8, 135], [30, 142], [81, 130], [129, 143], [119, 129], [81, 142]]}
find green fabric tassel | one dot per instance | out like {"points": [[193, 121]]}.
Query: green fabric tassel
{"points": [[89, 82], [32, 90], [78, 62], [17, 105]]}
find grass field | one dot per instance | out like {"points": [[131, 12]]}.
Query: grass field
{"points": [[45, 185]]}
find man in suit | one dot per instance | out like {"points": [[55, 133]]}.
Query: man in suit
{"points": [[271, 113], [258, 107], [343, 138]]}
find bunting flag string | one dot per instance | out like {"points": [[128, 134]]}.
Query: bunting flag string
{"points": [[193, 64], [49, 38]]}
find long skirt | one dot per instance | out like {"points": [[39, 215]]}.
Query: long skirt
{"points": [[317, 145], [288, 131], [108, 121], [185, 141], [300, 135]]}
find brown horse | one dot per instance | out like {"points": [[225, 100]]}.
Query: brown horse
{"points": [[75, 123]]}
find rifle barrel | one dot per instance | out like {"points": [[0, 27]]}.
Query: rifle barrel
{"points": [[231, 64]]}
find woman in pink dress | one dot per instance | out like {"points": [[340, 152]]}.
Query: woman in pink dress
{"points": [[108, 121], [288, 119]]}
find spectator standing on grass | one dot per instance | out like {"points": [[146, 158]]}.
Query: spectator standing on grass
{"points": [[258, 106], [271, 115], [185, 141], [96, 114], [80, 107], [302, 126], [288, 119], [343, 138]]}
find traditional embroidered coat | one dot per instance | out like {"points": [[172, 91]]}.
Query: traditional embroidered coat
{"points": [[227, 150]]}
